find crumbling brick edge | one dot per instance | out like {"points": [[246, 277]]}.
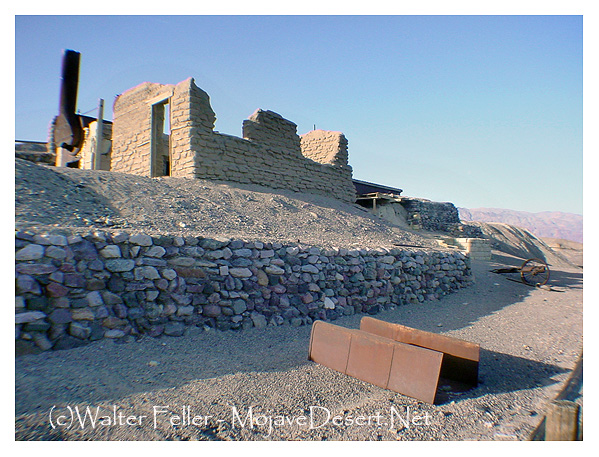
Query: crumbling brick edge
{"points": [[72, 289]]}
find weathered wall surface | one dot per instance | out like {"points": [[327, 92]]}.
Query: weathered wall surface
{"points": [[132, 126], [73, 289], [428, 215], [270, 154], [273, 132], [36, 153], [89, 146], [477, 248], [324, 146]]}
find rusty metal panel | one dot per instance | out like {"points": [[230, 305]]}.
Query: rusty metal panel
{"points": [[329, 345], [461, 358], [370, 358], [408, 335], [406, 369], [415, 372]]}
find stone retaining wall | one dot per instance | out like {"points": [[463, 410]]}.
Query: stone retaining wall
{"points": [[437, 217], [73, 289]]}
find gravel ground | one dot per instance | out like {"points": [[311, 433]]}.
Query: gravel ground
{"points": [[81, 200], [530, 340]]}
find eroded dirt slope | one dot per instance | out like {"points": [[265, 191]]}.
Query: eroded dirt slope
{"points": [[83, 199], [520, 242]]}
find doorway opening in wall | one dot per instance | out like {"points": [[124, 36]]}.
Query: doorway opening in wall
{"points": [[160, 148]]}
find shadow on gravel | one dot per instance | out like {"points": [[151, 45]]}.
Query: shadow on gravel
{"points": [[568, 279], [28, 430], [501, 373], [557, 277]]}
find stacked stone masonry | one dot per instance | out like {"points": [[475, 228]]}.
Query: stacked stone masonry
{"points": [[437, 217], [73, 289], [270, 154], [476, 248], [325, 147]]}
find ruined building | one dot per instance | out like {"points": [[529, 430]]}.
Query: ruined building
{"points": [[168, 130]]}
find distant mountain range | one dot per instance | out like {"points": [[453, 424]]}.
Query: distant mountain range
{"points": [[546, 224]]}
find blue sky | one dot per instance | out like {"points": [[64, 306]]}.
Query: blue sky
{"points": [[482, 111]]}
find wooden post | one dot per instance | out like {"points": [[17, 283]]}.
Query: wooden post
{"points": [[99, 136], [562, 421]]}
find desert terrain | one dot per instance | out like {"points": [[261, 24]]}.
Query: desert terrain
{"points": [[530, 337]]}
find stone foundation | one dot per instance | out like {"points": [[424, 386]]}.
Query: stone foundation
{"points": [[476, 248], [73, 289]]}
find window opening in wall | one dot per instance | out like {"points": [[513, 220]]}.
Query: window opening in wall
{"points": [[160, 145]]}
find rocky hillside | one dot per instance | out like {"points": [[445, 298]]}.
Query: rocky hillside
{"points": [[80, 200], [546, 224]]}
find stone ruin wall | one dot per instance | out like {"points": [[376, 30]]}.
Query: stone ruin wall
{"points": [[270, 154], [72, 289], [132, 126], [436, 217], [324, 146]]}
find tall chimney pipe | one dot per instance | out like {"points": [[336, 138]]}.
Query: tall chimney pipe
{"points": [[70, 82], [68, 133]]}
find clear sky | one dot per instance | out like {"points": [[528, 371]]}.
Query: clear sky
{"points": [[482, 111]]}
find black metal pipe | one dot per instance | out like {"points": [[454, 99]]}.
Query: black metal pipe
{"points": [[68, 133], [70, 82]]}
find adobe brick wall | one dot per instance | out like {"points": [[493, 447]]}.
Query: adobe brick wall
{"points": [[89, 146], [131, 128], [270, 154], [324, 146]]}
